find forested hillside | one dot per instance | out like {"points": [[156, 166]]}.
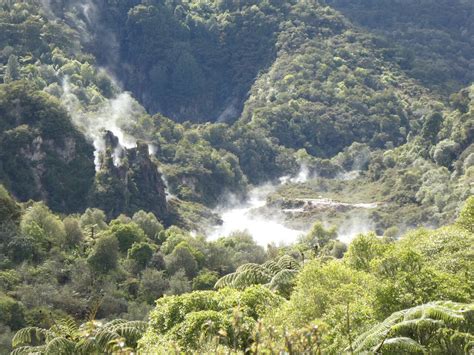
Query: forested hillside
{"points": [[132, 132]]}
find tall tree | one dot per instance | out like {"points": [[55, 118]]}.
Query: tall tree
{"points": [[12, 72]]}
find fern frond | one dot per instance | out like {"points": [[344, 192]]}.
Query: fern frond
{"points": [[93, 309], [86, 346], [417, 326], [248, 266], [254, 276], [272, 267], [377, 333], [60, 345], [104, 337], [421, 322], [400, 345], [28, 350], [29, 335], [132, 331], [226, 281], [283, 278], [114, 322], [288, 262], [65, 327]]}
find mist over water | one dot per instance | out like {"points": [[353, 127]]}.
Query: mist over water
{"points": [[359, 224], [244, 217], [267, 229]]}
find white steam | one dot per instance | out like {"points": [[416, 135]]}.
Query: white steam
{"points": [[356, 224], [152, 149], [111, 115], [267, 229], [303, 176], [90, 12], [245, 217]]}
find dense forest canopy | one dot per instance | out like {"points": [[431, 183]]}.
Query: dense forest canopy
{"points": [[133, 132]]}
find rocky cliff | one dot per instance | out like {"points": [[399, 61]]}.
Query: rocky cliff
{"points": [[128, 180]]}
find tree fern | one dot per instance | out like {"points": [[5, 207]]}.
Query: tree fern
{"points": [[282, 278], [401, 345], [30, 335], [252, 276], [434, 327], [66, 337], [29, 350], [276, 274], [226, 281], [287, 262], [272, 266], [60, 345]]}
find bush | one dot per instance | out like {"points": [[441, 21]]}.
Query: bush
{"points": [[187, 319], [141, 253], [127, 234], [153, 285], [74, 235], [11, 312], [205, 280], [104, 256], [148, 223], [466, 217], [182, 258], [9, 209], [445, 153]]}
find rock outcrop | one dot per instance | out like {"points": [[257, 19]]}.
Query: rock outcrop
{"points": [[128, 180]]}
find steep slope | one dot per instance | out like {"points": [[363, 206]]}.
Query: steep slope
{"points": [[186, 59], [431, 40], [42, 155], [318, 84], [330, 86]]}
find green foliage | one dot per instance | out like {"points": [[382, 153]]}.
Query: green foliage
{"points": [[179, 283], [12, 71], [466, 217], [419, 37], [93, 219], [183, 319], [35, 131], [104, 256], [363, 250], [41, 225], [314, 89], [182, 258], [141, 253], [126, 234], [9, 209], [323, 293], [11, 312], [277, 274], [205, 280], [201, 58], [153, 285], [92, 337], [72, 228], [148, 223], [131, 186], [431, 127], [445, 152], [437, 327], [318, 236]]}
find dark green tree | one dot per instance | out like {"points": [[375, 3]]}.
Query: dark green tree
{"points": [[105, 254], [127, 234], [12, 71], [141, 253]]}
